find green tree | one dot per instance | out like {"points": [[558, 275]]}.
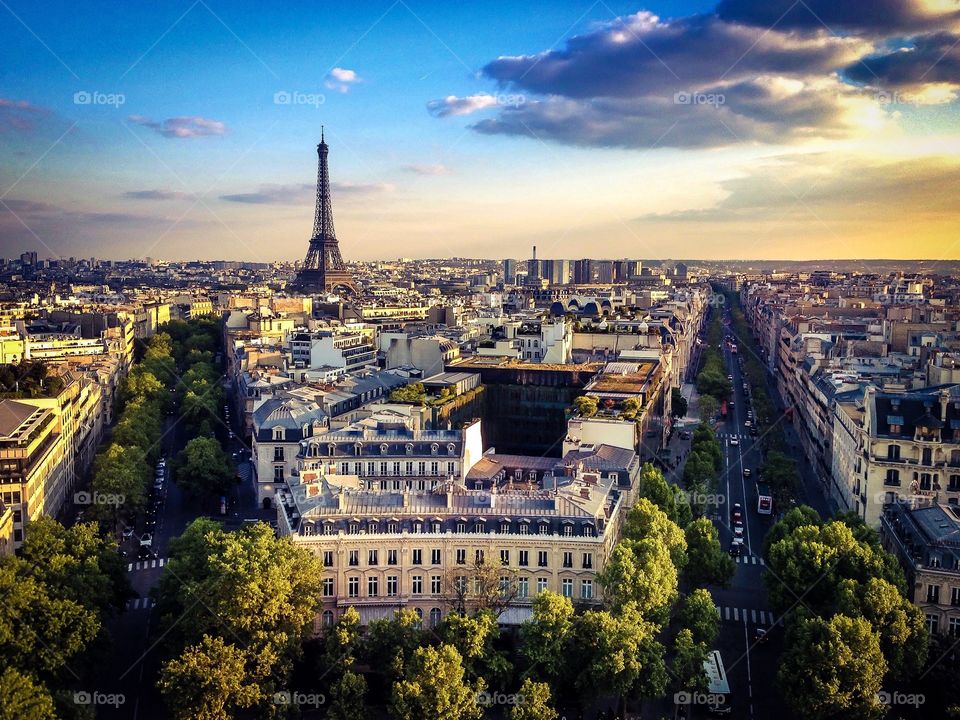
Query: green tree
{"points": [[791, 520], [669, 498], [534, 703], [343, 641], [435, 687], [474, 637], [698, 614], [709, 407], [585, 405], [903, 632], [678, 403], [23, 698], [118, 487], [413, 393], [203, 469], [258, 591], [640, 572], [833, 668], [646, 521], [618, 654], [687, 665], [390, 644], [347, 697], [209, 681], [546, 635], [707, 563]]}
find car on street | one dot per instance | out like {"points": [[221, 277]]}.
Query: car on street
{"points": [[128, 531], [736, 547], [734, 441], [746, 472], [736, 513], [146, 540], [145, 553], [685, 435], [729, 377], [738, 529]]}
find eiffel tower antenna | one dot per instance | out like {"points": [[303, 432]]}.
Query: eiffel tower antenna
{"points": [[323, 269]]}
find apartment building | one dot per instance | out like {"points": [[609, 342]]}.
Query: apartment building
{"points": [[895, 446], [926, 542], [326, 348]]}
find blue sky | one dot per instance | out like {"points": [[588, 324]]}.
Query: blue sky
{"points": [[479, 128]]}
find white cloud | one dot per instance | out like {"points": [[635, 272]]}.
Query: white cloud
{"points": [[341, 79], [453, 105], [183, 126], [438, 169]]}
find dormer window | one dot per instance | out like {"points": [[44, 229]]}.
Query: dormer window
{"points": [[384, 449], [434, 449], [451, 449], [331, 449], [278, 433], [409, 448], [357, 449]]}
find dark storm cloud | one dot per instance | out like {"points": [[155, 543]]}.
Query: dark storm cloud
{"points": [[926, 59], [871, 17]]}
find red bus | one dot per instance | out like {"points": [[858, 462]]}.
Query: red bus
{"points": [[764, 499]]}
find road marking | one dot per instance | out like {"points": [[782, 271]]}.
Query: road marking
{"points": [[718, 611], [736, 614], [140, 603], [129, 567], [726, 612], [753, 616]]}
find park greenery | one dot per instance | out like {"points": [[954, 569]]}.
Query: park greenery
{"points": [[851, 631]]}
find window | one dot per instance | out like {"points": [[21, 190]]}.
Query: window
{"points": [[372, 557], [391, 585], [328, 587], [589, 531], [435, 617], [435, 585], [541, 558], [461, 527], [373, 586], [892, 478], [391, 557], [504, 527], [566, 587], [418, 527], [523, 587], [478, 557], [328, 558], [955, 596], [278, 433], [461, 556], [434, 449], [435, 526], [451, 468], [568, 530], [524, 528], [418, 557], [435, 556], [353, 586], [953, 483], [933, 624], [505, 557], [925, 481], [372, 527], [933, 593], [586, 589], [434, 468], [541, 584], [451, 449], [893, 452], [409, 449], [354, 558], [524, 558], [393, 528], [278, 453], [587, 561], [326, 619], [278, 472], [568, 559], [353, 528], [544, 528], [416, 584], [384, 449], [504, 585]]}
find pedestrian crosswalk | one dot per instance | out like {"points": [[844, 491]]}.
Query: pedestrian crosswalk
{"points": [[746, 615], [738, 436], [749, 560], [140, 603], [146, 564]]}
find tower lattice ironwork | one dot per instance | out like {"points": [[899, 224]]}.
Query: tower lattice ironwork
{"points": [[323, 268]]}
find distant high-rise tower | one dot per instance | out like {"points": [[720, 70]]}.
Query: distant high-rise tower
{"points": [[323, 269]]}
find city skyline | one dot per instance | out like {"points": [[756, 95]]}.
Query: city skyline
{"points": [[728, 131]]}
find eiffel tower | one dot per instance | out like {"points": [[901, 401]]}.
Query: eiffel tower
{"points": [[323, 270]]}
